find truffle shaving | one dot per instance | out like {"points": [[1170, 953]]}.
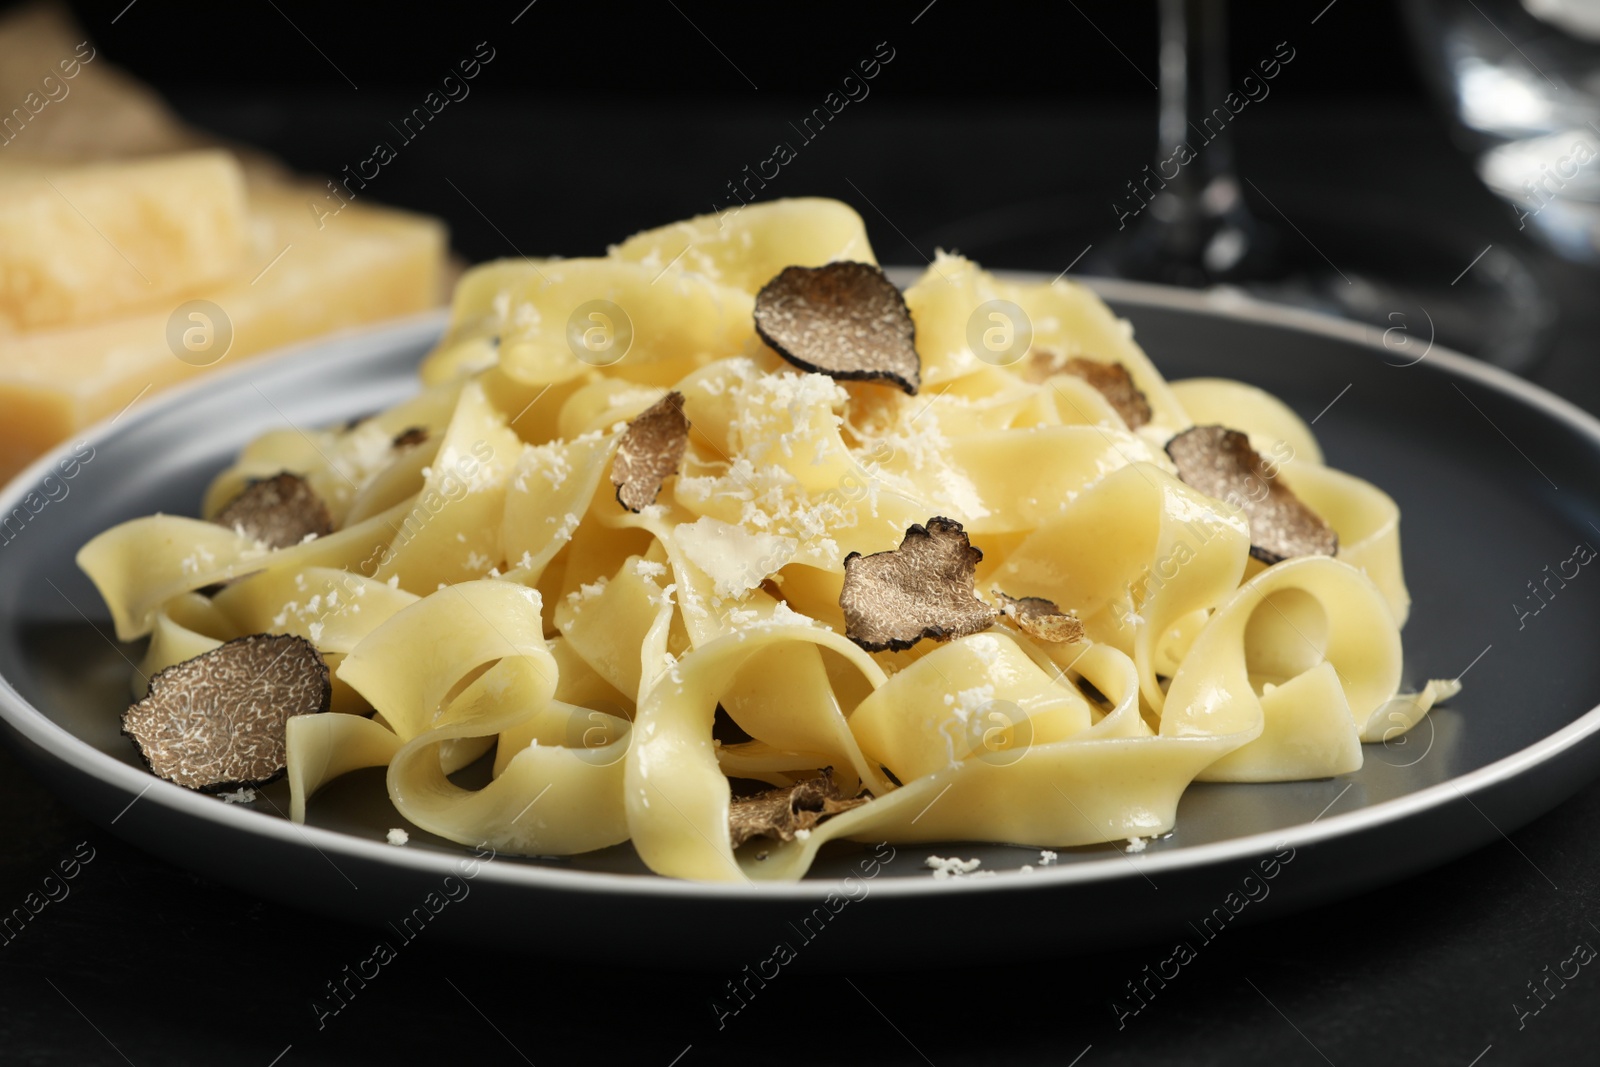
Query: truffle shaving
{"points": [[845, 320], [785, 812], [279, 511], [1040, 618], [1220, 463], [924, 588], [650, 452], [1115, 384], [412, 435], [216, 722], [1042, 364]]}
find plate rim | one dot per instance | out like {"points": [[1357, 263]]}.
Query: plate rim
{"points": [[56, 742]]}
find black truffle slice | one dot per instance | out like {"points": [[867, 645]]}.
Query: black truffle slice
{"points": [[1220, 463], [781, 812], [1114, 383], [216, 722], [650, 452], [1042, 363], [924, 588], [1041, 618], [279, 511], [411, 435], [845, 320]]}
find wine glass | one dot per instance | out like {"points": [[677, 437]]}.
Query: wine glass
{"points": [[1522, 78], [1354, 249]]}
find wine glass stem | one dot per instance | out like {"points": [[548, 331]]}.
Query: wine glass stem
{"points": [[1194, 59]]}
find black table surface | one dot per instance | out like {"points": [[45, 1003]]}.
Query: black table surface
{"points": [[145, 963]]}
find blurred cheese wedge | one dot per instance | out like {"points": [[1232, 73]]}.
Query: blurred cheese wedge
{"points": [[89, 243], [363, 266]]}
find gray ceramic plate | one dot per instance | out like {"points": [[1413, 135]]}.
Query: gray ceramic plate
{"points": [[1495, 479]]}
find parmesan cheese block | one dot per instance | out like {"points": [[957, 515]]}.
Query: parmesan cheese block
{"points": [[299, 281], [86, 244]]}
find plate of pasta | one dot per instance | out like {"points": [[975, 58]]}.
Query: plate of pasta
{"points": [[728, 577]]}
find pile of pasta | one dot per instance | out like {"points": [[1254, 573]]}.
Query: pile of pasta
{"points": [[485, 598]]}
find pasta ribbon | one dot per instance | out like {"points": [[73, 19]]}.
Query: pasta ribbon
{"points": [[1136, 556], [1321, 643]]}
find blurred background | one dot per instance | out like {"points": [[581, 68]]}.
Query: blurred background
{"points": [[1025, 135], [587, 127], [1421, 165]]}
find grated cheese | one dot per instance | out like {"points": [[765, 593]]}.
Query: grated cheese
{"points": [[952, 867]]}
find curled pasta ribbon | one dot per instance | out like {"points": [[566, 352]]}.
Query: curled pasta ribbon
{"points": [[783, 695], [550, 312], [978, 695], [1316, 639], [1046, 779], [1367, 522], [186, 626], [1021, 479], [747, 249], [452, 531], [1111, 779], [470, 663], [573, 763], [551, 489], [1272, 426], [1405, 710], [333, 609], [137, 570], [410, 665], [1365, 518], [356, 473], [675, 793], [471, 341], [1135, 555], [320, 748], [1066, 319]]}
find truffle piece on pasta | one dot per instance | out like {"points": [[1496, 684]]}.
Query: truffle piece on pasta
{"points": [[1040, 618], [924, 588], [785, 813], [650, 452], [845, 320], [1042, 363], [1220, 463], [216, 722], [279, 511], [1113, 382], [411, 435]]}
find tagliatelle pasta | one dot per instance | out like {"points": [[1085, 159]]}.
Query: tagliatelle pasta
{"points": [[499, 592]]}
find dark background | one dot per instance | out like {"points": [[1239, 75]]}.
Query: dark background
{"points": [[955, 51], [592, 122]]}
